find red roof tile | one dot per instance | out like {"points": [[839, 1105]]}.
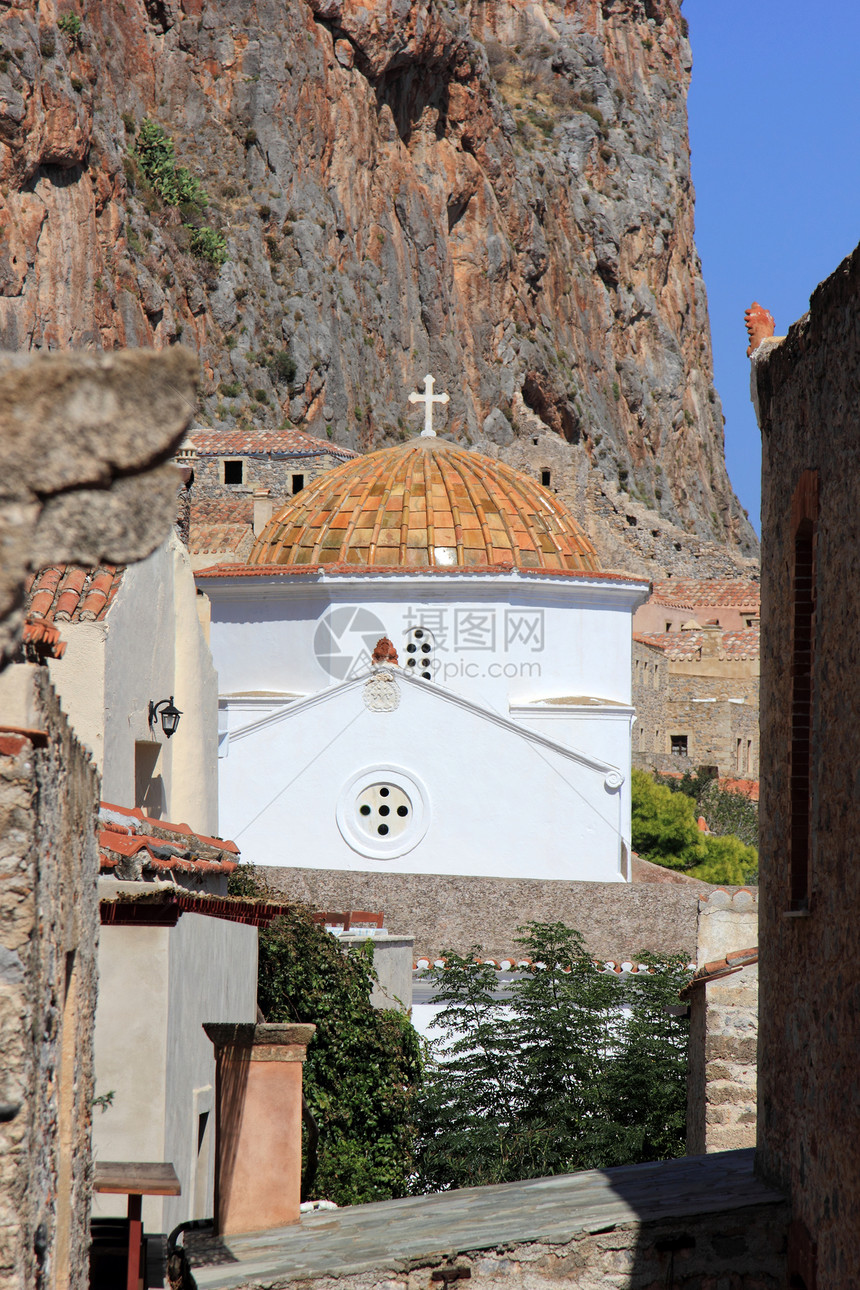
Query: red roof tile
{"points": [[40, 641], [687, 645], [126, 833], [719, 968], [280, 443], [70, 593], [747, 787], [164, 908], [695, 593]]}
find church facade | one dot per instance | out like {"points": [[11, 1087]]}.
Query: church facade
{"points": [[490, 738]]}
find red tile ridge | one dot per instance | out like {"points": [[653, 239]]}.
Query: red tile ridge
{"points": [[182, 829]]}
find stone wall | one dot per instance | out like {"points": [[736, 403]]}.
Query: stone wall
{"points": [[650, 673], [808, 391], [712, 703], [618, 920], [721, 1076], [259, 471], [48, 940], [84, 440]]}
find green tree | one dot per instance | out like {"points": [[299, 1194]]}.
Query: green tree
{"points": [[574, 1069], [664, 824], [363, 1064], [665, 830], [727, 860]]}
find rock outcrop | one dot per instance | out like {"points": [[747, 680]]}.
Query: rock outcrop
{"points": [[497, 192]]}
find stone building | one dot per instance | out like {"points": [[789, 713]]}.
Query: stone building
{"points": [[48, 939], [696, 697], [241, 477], [733, 603], [806, 389]]}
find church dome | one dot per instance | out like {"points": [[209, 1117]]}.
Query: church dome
{"points": [[425, 503]]}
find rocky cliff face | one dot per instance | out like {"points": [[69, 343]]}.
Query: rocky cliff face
{"points": [[497, 192]]}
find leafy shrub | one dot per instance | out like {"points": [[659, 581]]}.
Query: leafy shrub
{"points": [[284, 366], [363, 1064], [573, 1069], [47, 45], [208, 244], [230, 389], [174, 184], [72, 26]]}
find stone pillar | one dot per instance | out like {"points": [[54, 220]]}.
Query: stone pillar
{"points": [[258, 1124]]}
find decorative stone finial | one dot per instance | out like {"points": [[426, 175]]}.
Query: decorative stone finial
{"points": [[384, 652], [760, 325], [428, 398]]}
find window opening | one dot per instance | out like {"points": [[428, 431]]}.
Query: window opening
{"points": [[679, 745], [749, 757], [545, 477], [298, 483], [384, 810], [233, 472], [421, 653]]}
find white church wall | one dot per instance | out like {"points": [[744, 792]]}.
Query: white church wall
{"points": [[494, 801], [497, 639]]}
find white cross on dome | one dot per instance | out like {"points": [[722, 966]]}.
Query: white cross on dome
{"points": [[428, 398]]}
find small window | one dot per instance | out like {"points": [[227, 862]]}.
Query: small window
{"points": [[298, 483], [749, 757], [545, 478], [421, 653], [668, 627], [233, 472], [739, 763], [679, 745]]}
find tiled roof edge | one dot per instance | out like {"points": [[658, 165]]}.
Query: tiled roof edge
{"points": [[296, 570]]}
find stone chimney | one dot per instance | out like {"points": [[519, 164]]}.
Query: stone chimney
{"points": [[712, 640], [258, 1124], [263, 508]]}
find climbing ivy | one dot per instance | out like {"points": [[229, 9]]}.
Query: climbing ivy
{"points": [[363, 1064]]}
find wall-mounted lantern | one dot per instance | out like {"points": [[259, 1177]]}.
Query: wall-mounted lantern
{"points": [[169, 714]]}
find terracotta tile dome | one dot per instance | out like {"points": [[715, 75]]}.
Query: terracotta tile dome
{"points": [[425, 503]]}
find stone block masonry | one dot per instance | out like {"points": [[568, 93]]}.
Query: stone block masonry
{"points": [[618, 920], [807, 388], [48, 941], [723, 999]]}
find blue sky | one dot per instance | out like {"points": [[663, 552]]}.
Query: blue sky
{"points": [[774, 111]]}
